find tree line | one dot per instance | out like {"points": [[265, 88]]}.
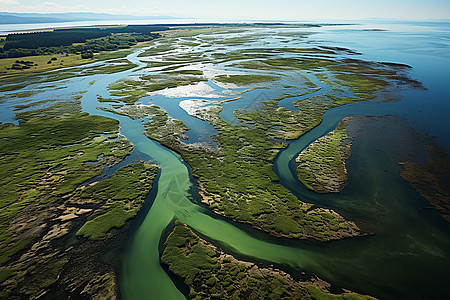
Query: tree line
{"points": [[85, 39]]}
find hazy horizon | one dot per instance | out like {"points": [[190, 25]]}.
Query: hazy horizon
{"points": [[283, 10]]}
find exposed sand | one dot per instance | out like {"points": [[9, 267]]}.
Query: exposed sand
{"points": [[200, 89], [192, 107]]}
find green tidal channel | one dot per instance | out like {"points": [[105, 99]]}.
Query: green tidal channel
{"points": [[353, 263], [143, 277]]}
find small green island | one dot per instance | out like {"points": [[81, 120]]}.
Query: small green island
{"points": [[322, 164]]}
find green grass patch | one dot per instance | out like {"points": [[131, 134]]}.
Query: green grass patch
{"points": [[54, 142], [321, 295], [322, 164], [122, 197], [116, 217], [210, 274], [245, 79], [6, 273]]}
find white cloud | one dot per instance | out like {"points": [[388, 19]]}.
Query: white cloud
{"points": [[51, 4], [45, 7], [56, 7], [132, 11], [9, 2]]}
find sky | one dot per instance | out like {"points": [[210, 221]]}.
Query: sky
{"points": [[245, 9]]}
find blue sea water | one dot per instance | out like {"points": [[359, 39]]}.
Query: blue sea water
{"points": [[424, 45]]}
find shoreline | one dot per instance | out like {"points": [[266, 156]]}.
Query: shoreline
{"points": [[81, 61]]}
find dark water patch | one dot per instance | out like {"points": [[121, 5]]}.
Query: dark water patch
{"points": [[108, 170], [95, 162], [57, 168], [379, 200]]}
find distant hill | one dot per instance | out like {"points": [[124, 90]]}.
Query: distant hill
{"points": [[28, 18]]}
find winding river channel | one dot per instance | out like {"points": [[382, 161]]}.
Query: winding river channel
{"points": [[406, 258]]}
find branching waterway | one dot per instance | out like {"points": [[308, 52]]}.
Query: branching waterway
{"points": [[405, 258]]}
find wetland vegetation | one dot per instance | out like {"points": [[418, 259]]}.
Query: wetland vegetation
{"points": [[322, 164], [212, 274], [244, 79], [46, 158], [237, 179], [130, 91], [42, 51], [66, 198]]}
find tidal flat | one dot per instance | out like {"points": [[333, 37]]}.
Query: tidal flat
{"points": [[46, 159], [202, 126]]}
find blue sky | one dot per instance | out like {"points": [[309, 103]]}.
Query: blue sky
{"points": [[245, 9]]}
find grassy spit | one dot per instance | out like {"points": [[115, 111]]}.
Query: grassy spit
{"points": [[210, 273]]}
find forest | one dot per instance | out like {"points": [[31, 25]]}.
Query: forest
{"points": [[84, 41]]}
